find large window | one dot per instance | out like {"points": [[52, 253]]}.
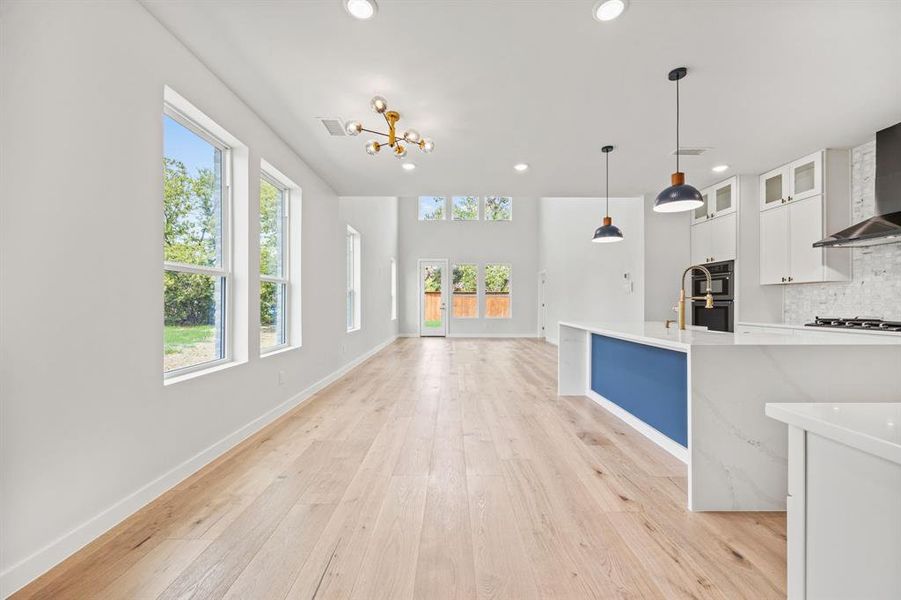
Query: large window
{"points": [[393, 289], [353, 279], [432, 208], [498, 208], [196, 246], [465, 208], [274, 268], [497, 291], [465, 291]]}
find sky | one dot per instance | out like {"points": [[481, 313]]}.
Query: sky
{"points": [[186, 146]]}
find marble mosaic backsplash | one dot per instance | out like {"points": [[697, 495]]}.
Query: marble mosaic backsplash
{"points": [[875, 287]]}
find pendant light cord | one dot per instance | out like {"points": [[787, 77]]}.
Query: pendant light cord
{"points": [[607, 185], [678, 147]]}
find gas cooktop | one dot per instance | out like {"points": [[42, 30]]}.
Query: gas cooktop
{"points": [[868, 323]]}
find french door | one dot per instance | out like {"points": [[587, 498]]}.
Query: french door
{"points": [[433, 297]]}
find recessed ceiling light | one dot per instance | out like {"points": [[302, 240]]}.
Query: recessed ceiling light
{"points": [[521, 167], [720, 168], [408, 166], [361, 9], [607, 10]]}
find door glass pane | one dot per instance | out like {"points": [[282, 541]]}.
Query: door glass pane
{"points": [[701, 211], [773, 189], [724, 198], [273, 331], [497, 291], [192, 196], [431, 279], [804, 177], [193, 321], [465, 298]]}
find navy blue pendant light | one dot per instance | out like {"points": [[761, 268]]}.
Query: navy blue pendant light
{"points": [[678, 197], [608, 232]]}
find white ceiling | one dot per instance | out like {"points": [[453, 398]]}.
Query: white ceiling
{"points": [[500, 82]]}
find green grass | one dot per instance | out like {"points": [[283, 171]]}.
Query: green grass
{"points": [[433, 323], [176, 337]]}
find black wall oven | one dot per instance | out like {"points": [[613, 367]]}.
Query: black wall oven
{"points": [[721, 317]]}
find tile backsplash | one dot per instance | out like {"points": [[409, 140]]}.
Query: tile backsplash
{"points": [[875, 287]]}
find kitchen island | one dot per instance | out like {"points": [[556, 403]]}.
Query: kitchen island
{"points": [[701, 395]]}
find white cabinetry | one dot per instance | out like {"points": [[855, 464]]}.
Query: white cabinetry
{"points": [[796, 211], [714, 225], [844, 482]]}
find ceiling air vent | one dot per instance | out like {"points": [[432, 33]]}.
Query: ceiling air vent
{"points": [[335, 127], [690, 151]]}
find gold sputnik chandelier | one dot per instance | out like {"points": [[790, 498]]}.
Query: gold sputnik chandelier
{"points": [[411, 136]]}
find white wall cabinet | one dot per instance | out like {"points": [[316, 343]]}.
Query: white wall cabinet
{"points": [[797, 209], [714, 225], [797, 180]]}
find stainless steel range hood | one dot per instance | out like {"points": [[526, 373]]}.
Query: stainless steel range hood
{"points": [[885, 227]]}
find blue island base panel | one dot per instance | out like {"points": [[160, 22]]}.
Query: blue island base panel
{"points": [[649, 382]]}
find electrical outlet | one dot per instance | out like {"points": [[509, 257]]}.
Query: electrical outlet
{"points": [[281, 378]]}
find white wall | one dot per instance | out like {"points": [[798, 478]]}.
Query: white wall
{"points": [[585, 281], [375, 218], [667, 246], [478, 242], [89, 432]]}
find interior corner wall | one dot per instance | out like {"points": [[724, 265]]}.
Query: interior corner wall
{"points": [[667, 247], [472, 242], [587, 281], [88, 431], [375, 218]]}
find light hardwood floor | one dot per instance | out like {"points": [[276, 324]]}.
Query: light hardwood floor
{"points": [[438, 469]]}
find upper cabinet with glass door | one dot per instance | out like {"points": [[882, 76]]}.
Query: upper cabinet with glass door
{"points": [[797, 180], [719, 200]]}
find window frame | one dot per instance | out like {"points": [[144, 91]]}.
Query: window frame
{"points": [[478, 292], [444, 212], [354, 241], [497, 220], [224, 270], [509, 285], [285, 279]]}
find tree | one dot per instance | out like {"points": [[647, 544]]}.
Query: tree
{"points": [[466, 209], [498, 208], [270, 249], [465, 278], [497, 279], [190, 236]]}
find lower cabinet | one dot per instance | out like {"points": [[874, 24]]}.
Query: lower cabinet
{"points": [[844, 522]]}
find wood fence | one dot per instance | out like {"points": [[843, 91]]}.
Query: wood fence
{"points": [[466, 305]]}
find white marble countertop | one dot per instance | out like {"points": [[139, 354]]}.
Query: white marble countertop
{"points": [[802, 327], [872, 427], [653, 333]]}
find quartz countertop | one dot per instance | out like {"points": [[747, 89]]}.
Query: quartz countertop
{"points": [[802, 327], [874, 428], [654, 333]]}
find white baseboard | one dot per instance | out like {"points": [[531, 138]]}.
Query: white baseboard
{"points": [[478, 335], [22, 573], [671, 446]]}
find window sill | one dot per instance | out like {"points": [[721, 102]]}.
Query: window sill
{"points": [[200, 372], [354, 330], [277, 350]]}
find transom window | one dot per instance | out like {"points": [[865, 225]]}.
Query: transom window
{"points": [[274, 268], [196, 250], [465, 208], [432, 208], [498, 208], [465, 291], [497, 291]]}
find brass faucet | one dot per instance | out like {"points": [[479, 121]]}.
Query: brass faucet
{"points": [[707, 298]]}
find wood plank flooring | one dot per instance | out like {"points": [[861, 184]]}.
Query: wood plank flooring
{"points": [[440, 468]]}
